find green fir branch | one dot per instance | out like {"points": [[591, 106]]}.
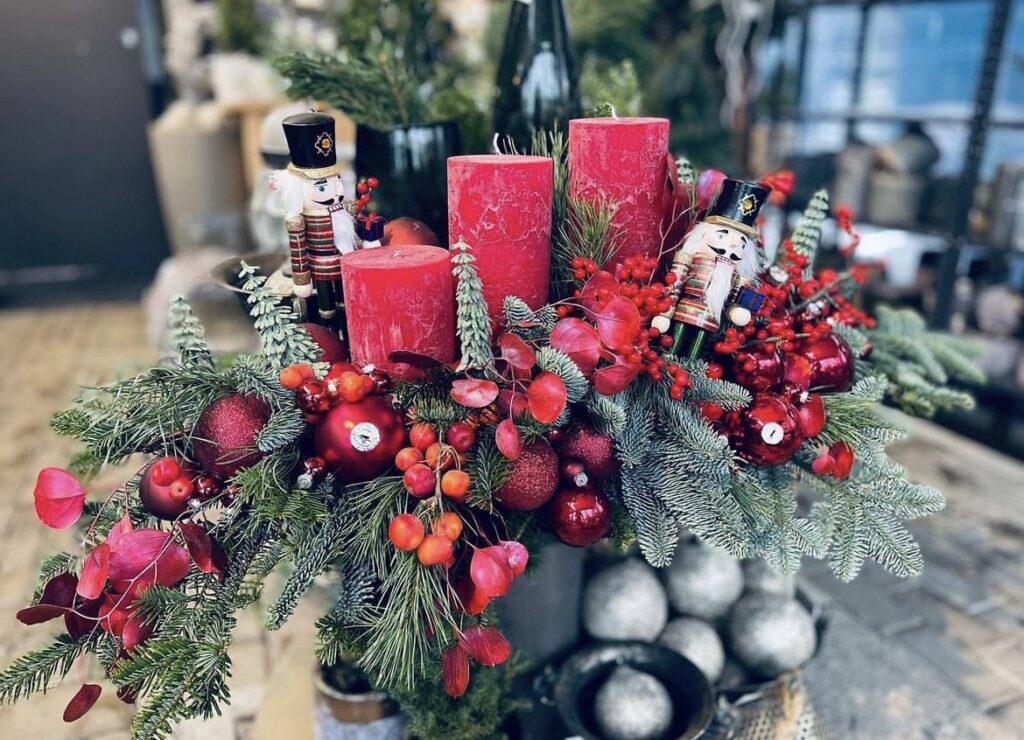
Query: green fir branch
{"points": [[473, 323], [187, 336], [283, 340], [36, 671]]}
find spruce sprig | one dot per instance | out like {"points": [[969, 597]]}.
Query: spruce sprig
{"points": [[473, 323]]}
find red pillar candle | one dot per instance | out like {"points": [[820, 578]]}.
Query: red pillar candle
{"points": [[399, 298], [623, 161], [500, 205]]}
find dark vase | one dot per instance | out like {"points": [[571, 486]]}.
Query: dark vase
{"points": [[412, 166], [537, 86]]}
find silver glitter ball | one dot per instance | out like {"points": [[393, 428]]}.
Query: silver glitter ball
{"points": [[703, 581], [758, 577], [632, 706], [625, 602], [698, 642], [771, 634]]}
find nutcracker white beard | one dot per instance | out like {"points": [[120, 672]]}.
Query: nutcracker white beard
{"points": [[720, 282], [344, 227]]}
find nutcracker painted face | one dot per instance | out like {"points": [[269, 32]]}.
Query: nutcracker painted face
{"points": [[324, 192], [723, 242]]}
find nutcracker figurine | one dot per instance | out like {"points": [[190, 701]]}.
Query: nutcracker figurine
{"points": [[320, 226], [716, 270]]}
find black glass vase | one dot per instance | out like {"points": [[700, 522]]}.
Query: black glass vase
{"points": [[411, 163], [537, 85]]}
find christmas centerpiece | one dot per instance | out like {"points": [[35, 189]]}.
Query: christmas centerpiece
{"points": [[604, 352]]}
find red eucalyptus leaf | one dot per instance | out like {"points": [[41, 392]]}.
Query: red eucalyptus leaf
{"points": [[615, 378], [200, 547], [114, 613], [474, 393], [123, 527], [516, 352], [83, 619], [844, 458], [471, 599], [127, 694], [455, 671], [82, 701], [135, 632], [546, 397], [147, 556], [486, 645], [601, 283], [512, 403], [57, 598], [823, 464], [59, 498], [811, 415], [618, 323], [518, 556], [94, 572], [580, 341], [490, 571], [509, 440]]}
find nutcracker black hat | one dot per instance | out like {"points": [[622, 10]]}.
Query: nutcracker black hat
{"points": [[737, 205], [311, 144]]}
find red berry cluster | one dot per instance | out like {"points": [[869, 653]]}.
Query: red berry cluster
{"points": [[583, 268], [365, 189], [343, 382]]}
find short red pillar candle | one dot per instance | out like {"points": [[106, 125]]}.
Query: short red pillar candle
{"points": [[500, 205], [399, 298], [623, 162]]}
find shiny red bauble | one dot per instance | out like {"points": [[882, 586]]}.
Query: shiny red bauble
{"points": [[332, 349], [831, 363], [579, 516], [758, 371], [359, 441], [767, 432], [405, 231], [156, 497], [532, 480], [224, 437], [595, 450]]}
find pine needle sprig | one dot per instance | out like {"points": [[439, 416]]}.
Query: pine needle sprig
{"points": [[586, 232], [36, 671], [473, 323]]}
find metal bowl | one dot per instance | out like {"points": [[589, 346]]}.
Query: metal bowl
{"points": [[225, 273], [583, 673]]}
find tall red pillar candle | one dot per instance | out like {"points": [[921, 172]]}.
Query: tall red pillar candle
{"points": [[500, 205], [399, 298], [623, 162]]}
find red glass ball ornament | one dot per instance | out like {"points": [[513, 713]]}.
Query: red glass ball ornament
{"points": [[767, 432], [157, 498], [359, 441], [765, 374], [404, 231], [332, 349], [224, 438], [832, 363], [595, 450], [532, 480], [382, 382], [207, 487], [579, 516], [313, 397]]}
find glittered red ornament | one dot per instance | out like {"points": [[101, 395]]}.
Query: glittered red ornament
{"points": [[758, 372], [332, 349], [224, 438], [533, 478], [403, 231], [157, 498], [832, 363], [359, 441], [595, 450], [767, 432], [579, 516]]}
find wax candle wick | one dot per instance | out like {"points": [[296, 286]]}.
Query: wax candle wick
{"points": [[614, 114]]}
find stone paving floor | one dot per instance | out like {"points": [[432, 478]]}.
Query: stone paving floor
{"points": [[939, 656]]}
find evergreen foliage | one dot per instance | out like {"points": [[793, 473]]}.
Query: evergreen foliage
{"points": [[522, 320], [808, 234], [473, 323], [187, 335], [283, 341]]}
